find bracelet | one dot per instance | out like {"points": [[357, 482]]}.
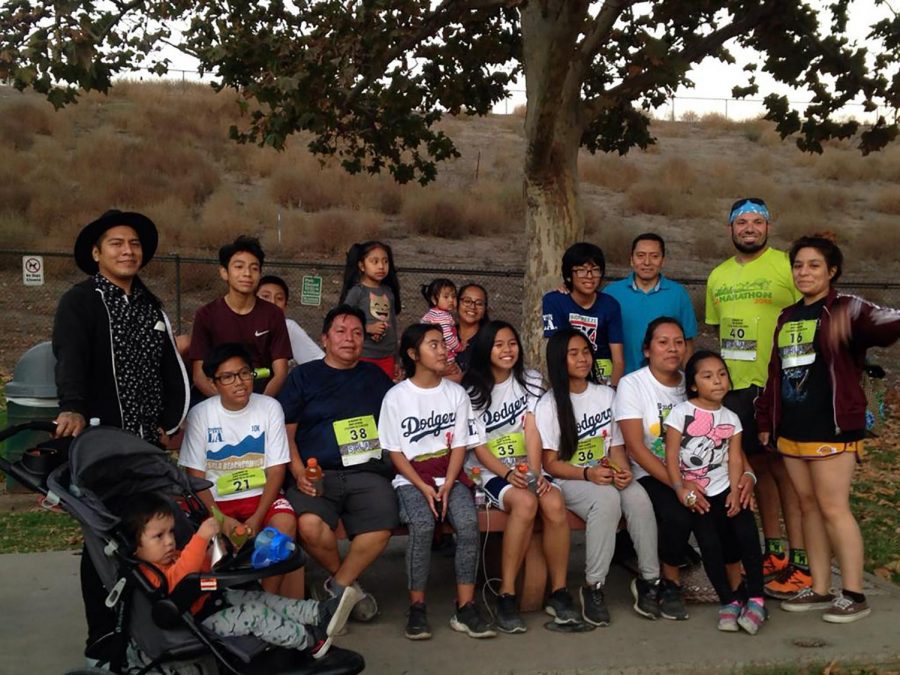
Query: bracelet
{"points": [[752, 475], [585, 473], [506, 477]]}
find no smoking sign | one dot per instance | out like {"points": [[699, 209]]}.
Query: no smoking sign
{"points": [[33, 270]]}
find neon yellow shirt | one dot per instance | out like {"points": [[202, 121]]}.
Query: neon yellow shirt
{"points": [[744, 301]]}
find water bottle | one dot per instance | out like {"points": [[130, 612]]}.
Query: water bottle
{"points": [[270, 547], [478, 479], [528, 476], [315, 476]]}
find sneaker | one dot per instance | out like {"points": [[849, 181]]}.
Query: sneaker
{"points": [[417, 627], [334, 612], [774, 564], [752, 616], [846, 610], [593, 605], [508, 619], [365, 609], [728, 617], [646, 597], [561, 607], [671, 601], [786, 585], [807, 600], [468, 620]]}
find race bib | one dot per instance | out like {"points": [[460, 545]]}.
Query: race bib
{"points": [[357, 439], [241, 480], [508, 448], [589, 452], [796, 343], [738, 338], [603, 369]]}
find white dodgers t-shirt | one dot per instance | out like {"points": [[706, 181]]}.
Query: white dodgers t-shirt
{"points": [[234, 448], [502, 425], [641, 396], [423, 423], [597, 431], [705, 438]]}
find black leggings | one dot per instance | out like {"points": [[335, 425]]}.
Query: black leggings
{"points": [[672, 518], [713, 531]]}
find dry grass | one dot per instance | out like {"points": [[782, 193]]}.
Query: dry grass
{"points": [[888, 200], [610, 171]]}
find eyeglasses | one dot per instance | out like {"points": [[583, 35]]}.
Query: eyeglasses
{"points": [[587, 272], [245, 374], [469, 302]]}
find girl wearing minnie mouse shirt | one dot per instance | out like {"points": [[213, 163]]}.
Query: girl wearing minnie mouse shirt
{"points": [[704, 461], [427, 423]]}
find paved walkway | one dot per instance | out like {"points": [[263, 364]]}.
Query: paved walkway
{"points": [[43, 630]]}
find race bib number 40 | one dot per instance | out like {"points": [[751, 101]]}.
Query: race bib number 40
{"points": [[796, 343], [508, 448], [357, 439], [241, 480], [739, 339], [589, 452]]}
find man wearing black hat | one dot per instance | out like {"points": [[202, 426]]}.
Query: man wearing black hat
{"points": [[115, 358]]}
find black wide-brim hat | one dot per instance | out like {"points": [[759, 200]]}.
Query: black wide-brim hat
{"points": [[88, 237]]}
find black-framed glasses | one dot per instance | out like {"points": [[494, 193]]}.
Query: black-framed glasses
{"points": [[469, 302], [587, 272], [244, 374]]}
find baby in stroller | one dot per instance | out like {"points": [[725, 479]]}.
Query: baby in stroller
{"points": [[148, 520]]}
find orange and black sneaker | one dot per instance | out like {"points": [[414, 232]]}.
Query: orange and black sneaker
{"points": [[787, 584], [774, 564]]}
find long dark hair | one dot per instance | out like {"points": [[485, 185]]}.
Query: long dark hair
{"points": [[352, 275], [412, 339], [824, 243], [651, 330], [479, 378], [558, 373], [690, 370], [462, 289], [432, 291]]}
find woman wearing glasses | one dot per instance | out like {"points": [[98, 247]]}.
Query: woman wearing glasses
{"points": [[237, 440], [583, 307], [472, 308]]}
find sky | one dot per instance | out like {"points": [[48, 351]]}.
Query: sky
{"points": [[713, 80]]}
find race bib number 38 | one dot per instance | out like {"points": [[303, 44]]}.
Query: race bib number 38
{"points": [[357, 440], [738, 337], [796, 343], [508, 448], [241, 480], [589, 452]]}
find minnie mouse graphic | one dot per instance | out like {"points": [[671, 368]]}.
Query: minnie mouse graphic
{"points": [[704, 447]]}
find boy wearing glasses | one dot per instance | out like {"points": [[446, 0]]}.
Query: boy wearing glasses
{"points": [[237, 441], [584, 308]]}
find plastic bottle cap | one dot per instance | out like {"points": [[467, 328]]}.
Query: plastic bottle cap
{"points": [[476, 469], [95, 422], [312, 461], [522, 468]]}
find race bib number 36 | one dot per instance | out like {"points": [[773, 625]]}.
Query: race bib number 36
{"points": [[796, 343], [508, 447], [241, 480], [738, 337], [357, 439], [589, 452]]}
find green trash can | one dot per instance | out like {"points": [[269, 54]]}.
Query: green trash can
{"points": [[31, 395]]}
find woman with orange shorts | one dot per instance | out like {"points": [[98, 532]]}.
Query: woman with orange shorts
{"points": [[814, 408]]}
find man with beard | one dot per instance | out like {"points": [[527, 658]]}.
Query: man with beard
{"points": [[744, 296]]}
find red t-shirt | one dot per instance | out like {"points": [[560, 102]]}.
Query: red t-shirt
{"points": [[262, 331]]}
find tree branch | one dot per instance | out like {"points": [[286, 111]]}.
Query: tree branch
{"points": [[632, 86], [602, 26]]}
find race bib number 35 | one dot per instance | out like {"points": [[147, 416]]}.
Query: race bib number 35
{"points": [[589, 452], [357, 439], [796, 343], [508, 447], [739, 339], [241, 480]]}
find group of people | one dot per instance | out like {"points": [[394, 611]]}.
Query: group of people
{"points": [[632, 421]]}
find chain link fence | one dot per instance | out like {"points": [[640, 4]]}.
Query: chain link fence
{"points": [[186, 283]]}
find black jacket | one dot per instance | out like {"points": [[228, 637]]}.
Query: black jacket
{"points": [[85, 374]]}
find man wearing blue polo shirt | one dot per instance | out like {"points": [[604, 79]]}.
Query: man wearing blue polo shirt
{"points": [[646, 295]]}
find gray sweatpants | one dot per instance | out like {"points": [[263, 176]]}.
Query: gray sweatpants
{"points": [[414, 512], [272, 618], [601, 507]]}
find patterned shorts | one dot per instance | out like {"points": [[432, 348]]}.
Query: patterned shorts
{"points": [[818, 449]]}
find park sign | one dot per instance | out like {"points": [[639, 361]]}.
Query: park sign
{"points": [[311, 291], [33, 270]]}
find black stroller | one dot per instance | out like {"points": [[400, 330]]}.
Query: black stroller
{"points": [[155, 632]]}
